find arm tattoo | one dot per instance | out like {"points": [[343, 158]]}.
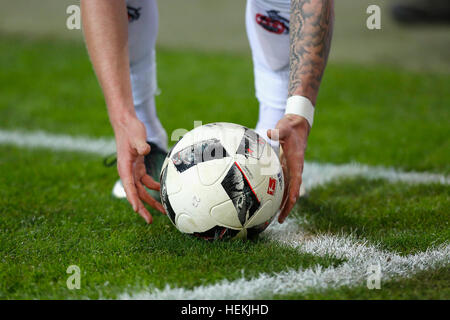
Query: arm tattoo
{"points": [[310, 39]]}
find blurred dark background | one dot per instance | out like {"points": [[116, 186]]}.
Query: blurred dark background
{"points": [[414, 33]]}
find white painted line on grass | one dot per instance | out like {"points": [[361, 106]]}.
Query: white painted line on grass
{"points": [[314, 173], [321, 173], [57, 142]]}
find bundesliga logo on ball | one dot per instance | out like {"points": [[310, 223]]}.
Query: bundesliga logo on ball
{"points": [[222, 180]]}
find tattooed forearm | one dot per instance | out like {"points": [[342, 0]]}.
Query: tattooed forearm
{"points": [[311, 27]]}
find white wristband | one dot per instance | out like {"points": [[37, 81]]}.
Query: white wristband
{"points": [[301, 106]]}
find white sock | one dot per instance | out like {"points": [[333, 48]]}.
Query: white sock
{"points": [[146, 112], [268, 118]]}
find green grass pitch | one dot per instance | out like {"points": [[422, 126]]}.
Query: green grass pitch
{"points": [[56, 209]]}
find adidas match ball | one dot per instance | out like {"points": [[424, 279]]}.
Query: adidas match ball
{"points": [[221, 180]]}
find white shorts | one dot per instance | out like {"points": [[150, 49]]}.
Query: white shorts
{"points": [[142, 34], [267, 24]]}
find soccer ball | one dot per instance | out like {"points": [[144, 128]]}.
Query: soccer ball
{"points": [[221, 180]]}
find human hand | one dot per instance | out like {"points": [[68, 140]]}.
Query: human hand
{"points": [[292, 132], [132, 146]]}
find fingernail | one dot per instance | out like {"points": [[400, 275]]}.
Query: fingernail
{"points": [[143, 215]]}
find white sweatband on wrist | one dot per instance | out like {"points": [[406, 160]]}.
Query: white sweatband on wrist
{"points": [[301, 106]]}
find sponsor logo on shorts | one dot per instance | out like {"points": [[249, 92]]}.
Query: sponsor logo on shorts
{"points": [[133, 13], [273, 22]]}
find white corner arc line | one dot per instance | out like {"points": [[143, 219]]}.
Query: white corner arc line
{"points": [[354, 271]]}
